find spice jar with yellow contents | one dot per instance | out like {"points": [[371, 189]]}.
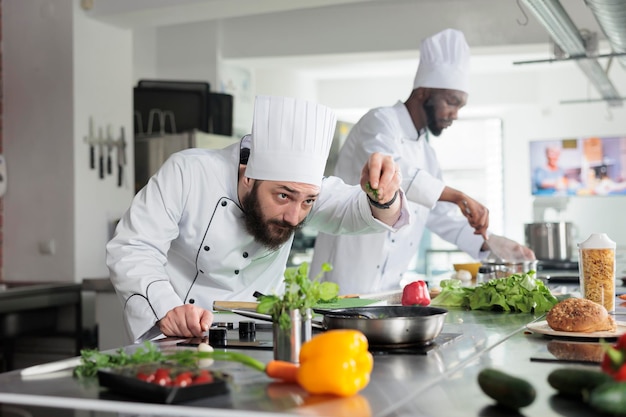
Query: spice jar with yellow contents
{"points": [[597, 270]]}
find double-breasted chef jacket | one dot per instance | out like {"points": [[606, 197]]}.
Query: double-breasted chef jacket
{"points": [[183, 239], [376, 262]]}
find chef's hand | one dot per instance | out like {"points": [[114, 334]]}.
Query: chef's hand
{"points": [[508, 250], [186, 321], [383, 176], [476, 214]]}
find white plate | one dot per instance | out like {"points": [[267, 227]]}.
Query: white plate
{"points": [[542, 327]]}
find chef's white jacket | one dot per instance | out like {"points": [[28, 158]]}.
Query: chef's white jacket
{"points": [[375, 262], [183, 240]]}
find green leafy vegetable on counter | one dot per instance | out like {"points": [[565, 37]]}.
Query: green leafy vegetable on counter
{"points": [[300, 293], [148, 353], [516, 293]]}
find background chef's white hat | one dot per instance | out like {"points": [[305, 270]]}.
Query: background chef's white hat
{"points": [[291, 140], [444, 62]]}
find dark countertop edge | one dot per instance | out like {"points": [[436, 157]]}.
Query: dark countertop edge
{"points": [[98, 285]]}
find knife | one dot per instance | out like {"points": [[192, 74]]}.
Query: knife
{"points": [[109, 141], [121, 158], [92, 148], [51, 367], [101, 153]]}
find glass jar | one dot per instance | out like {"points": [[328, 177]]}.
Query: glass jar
{"points": [[596, 264]]}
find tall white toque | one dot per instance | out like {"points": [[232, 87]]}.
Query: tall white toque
{"points": [[291, 139], [444, 62]]}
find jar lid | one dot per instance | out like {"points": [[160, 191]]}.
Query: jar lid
{"points": [[486, 269], [597, 241]]}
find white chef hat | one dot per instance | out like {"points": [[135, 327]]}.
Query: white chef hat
{"points": [[444, 62], [291, 139]]}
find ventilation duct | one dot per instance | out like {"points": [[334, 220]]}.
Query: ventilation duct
{"points": [[563, 31], [611, 15]]}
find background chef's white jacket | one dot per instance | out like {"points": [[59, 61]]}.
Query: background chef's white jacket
{"points": [[183, 240], [370, 263]]}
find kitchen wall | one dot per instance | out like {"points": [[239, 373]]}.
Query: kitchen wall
{"points": [[61, 68], [1, 151]]}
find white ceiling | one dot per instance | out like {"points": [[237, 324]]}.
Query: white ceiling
{"points": [[487, 25]]}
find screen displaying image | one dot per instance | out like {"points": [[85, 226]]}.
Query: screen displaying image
{"points": [[581, 166]]}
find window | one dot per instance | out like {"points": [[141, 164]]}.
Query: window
{"points": [[470, 156]]}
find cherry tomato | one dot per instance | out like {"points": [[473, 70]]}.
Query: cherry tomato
{"points": [[183, 379], [145, 377], [162, 377], [203, 377]]}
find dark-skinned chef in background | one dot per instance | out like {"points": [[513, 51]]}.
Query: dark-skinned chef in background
{"points": [[371, 263], [219, 224]]}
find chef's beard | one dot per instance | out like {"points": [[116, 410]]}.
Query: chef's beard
{"points": [[270, 233], [431, 118]]}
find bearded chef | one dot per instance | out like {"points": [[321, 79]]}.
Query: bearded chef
{"points": [[370, 263], [219, 224]]}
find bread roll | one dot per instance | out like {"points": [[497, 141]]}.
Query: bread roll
{"points": [[581, 352], [579, 315]]}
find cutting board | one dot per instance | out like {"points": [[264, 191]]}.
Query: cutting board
{"points": [[339, 303]]}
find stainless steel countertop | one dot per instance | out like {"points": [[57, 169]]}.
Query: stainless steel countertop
{"points": [[439, 383]]}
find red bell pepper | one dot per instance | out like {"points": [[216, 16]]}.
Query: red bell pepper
{"points": [[614, 360], [415, 293]]}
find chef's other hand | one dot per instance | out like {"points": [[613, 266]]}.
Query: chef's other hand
{"points": [[509, 250], [186, 321], [476, 214], [383, 176]]}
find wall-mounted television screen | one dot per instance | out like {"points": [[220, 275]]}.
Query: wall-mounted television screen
{"points": [[584, 166]]}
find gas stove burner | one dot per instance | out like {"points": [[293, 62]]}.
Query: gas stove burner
{"points": [[413, 348]]}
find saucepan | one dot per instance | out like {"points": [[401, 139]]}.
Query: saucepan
{"points": [[388, 325]]}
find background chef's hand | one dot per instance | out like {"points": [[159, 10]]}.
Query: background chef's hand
{"points": [[476, 214], [383, 175], [186, 321], [509, 250]]}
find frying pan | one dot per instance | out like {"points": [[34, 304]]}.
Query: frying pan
{"points": [[382, 325], [388, 325]]}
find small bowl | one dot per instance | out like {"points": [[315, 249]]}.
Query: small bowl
{"points": [[472, 267]]}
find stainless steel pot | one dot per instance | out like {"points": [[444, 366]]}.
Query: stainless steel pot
{"points": [[504, 269], [389, 325], [550, 241]]}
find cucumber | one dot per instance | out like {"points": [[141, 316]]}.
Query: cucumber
{"points": [[609, 398], [506, 389], [574, 382]]}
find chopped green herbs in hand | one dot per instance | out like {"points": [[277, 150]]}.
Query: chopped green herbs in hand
{"points": [[374, 192], [516, 293], [300, 293]]}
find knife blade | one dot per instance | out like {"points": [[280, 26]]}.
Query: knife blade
{"points": [[109, 141], [51, 367], [100, 154], [92, 148], [121, 158]]}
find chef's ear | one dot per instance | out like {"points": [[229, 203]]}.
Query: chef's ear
{"points": [[247, 182], [423, 93]]}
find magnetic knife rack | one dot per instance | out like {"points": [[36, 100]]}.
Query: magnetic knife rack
{"points": [[106, 145]]}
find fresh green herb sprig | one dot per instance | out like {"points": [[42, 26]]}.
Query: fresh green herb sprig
{"points": [[300, 293], [92, 359], [374, 192]]}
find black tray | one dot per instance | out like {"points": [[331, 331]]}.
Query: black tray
{"points": [[125, 382]]}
